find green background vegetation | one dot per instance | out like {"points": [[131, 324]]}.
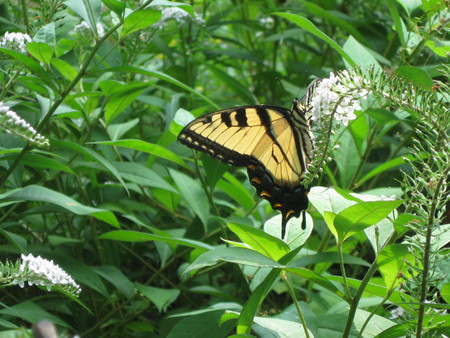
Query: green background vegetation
{"points": [[142, 223]]}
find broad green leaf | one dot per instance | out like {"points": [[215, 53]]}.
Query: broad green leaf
{"points": [[248, 312], [139, 174], [43, 162], [136, 236], [28, 62], [116, 6], [89, 10], [121, 98], [149, 148], [201, 325], [116, 278], [445, 292], [316, 279], [337, 20], [397, 21], [214, 170], [276, 327], [384, 167], [327, 257], [237, 192], [440, 48], [41, 194], [162, 76], [360, 55], [295, 235], [47, 35], [233, 255], [40, 51], [361, 216], [162, 298], [193, 195], [64, 68], [310, 27], [89, 153], [392, 265], [166, 3], [138, 20], [32, 313], [18, 241], [415, 75], [347, 158], [359, 128], [233, 83], [260, 241], [376, 288], [116, 131]]}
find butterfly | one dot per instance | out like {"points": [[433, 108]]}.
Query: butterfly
{"points": [[274, 143]]}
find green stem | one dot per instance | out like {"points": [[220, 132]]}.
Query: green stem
{"points": [[297, 305], [344, 275], [427, 254]]}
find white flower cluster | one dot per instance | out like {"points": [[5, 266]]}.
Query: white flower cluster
{"points": [[267, 22], [40, 271], [339, 94], [14, 124], [84, 28], [398, 312], [180, 16], [15, 41]]}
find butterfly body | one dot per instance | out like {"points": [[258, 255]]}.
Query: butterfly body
{"points": [[274, 143]]}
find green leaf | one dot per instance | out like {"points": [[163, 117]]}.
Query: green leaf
{"points": [[121, 98], [136, 236], [310, 27], [391, 262], [28, 62], [40, 194], [445, 292], [116, 278], [397, 21], [40, 51], [116, 6], [193, 195], [89, 153], [47, 35], [248, 312], [18, 241], [360, 55], [64, 68], [89, 10], [139, 174], [415, 75], [116, 131], [233, 255], [43, 162], [162, 76], [361, 216], [260, 241], [138, 20], [233, 83], [32, 313], [167, 3], [149, 148], [214, 170], [277, 327], [162, 298]]}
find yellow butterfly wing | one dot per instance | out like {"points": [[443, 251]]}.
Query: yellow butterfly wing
{"points": [[273, 142]]}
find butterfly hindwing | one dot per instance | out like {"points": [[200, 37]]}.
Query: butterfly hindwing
{"points": [[273, 142]]}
